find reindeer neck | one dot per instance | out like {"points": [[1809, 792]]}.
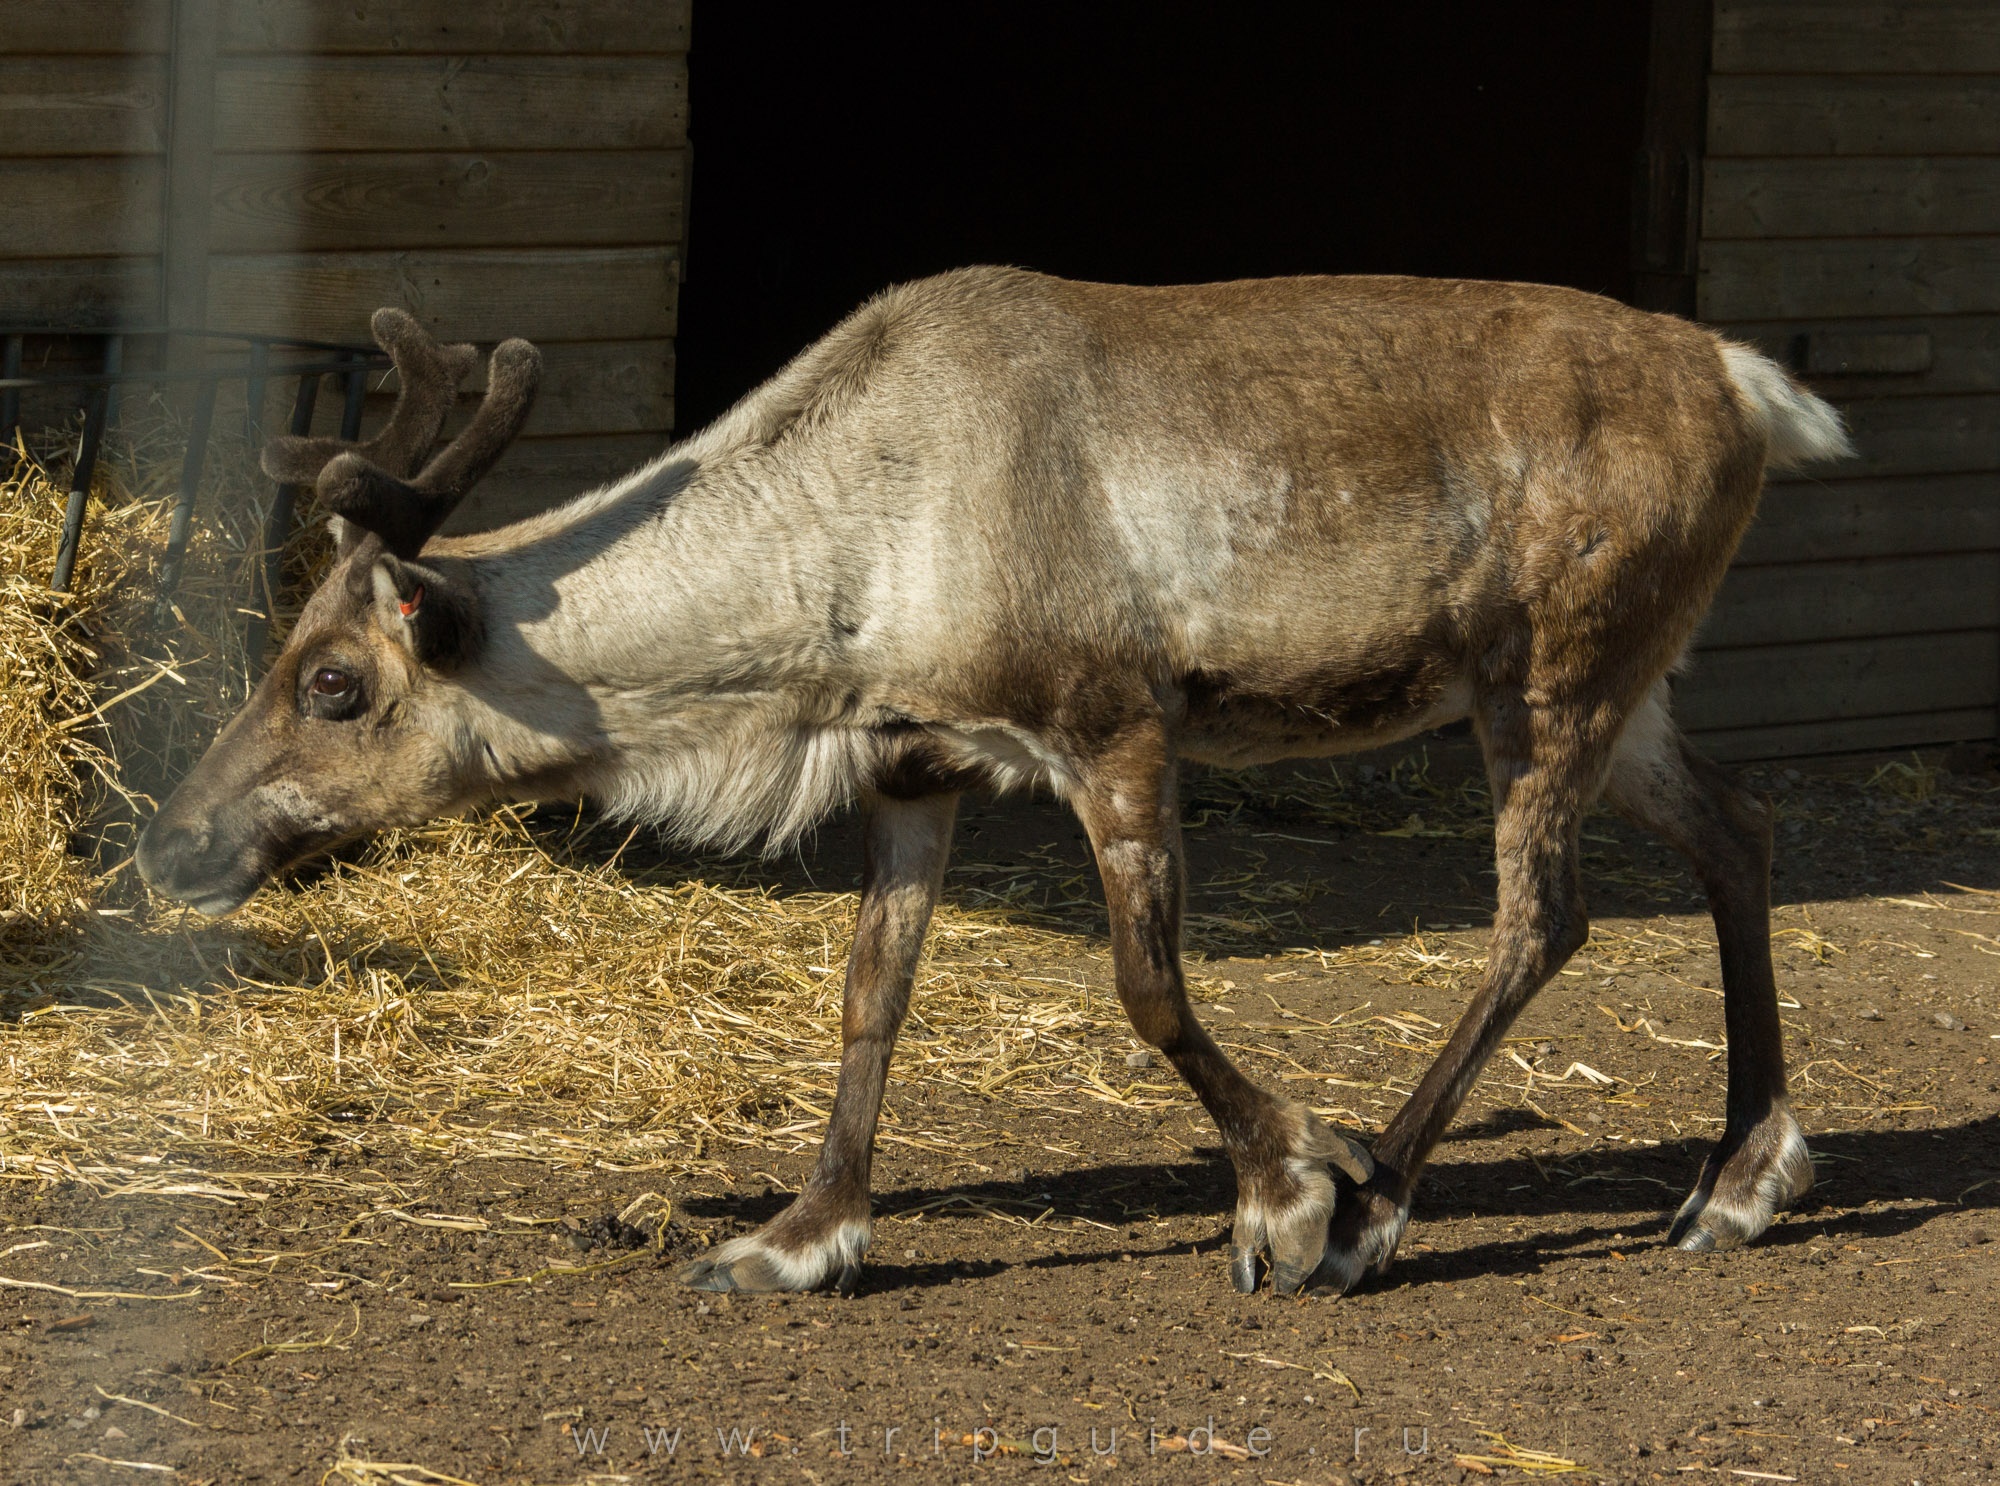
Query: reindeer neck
{"points": [[649, 640]]}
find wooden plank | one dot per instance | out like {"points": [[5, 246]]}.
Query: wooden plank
{"points": [[1853, 116], [79, 291], [413, 27], [553, 295], [87, 27], [1862, 598], [1922, 435], [83, 105], [288, 105], [1896, 517], [1839, 197], [1766, 685], [1934, 36], [593, 387], [78, 208], [537, 474], [1854, 735], [1964, 352], [326, 203], [190, 166], [1829, 278]]}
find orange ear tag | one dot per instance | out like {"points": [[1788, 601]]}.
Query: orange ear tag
{"points": [[410, 607]]}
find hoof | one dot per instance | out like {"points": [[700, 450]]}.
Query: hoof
{"points": [[1243, 1267], [1744, 1184], [1292, 1230], [758, 1263], [1366, 1228]]}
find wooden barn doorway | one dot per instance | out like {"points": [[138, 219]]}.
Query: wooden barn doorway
{"points": [[840, 149]]}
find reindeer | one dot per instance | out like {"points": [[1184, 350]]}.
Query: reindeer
{"points": [[998, 529]]}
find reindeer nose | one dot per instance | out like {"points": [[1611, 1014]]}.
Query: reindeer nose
{"points": [[166, 853]]}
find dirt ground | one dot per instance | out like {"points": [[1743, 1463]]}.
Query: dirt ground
{"points": [[1046, 1271]]}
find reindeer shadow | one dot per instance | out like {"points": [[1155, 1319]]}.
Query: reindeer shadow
{"points": [[1353, 865], [1623, 1203]]}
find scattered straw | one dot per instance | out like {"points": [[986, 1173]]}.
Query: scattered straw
{"points": [[333, 1338], [126, 1465], [1534, 1462], [354, 1471]]}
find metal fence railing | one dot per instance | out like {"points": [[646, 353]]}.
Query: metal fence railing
{"points": [[262, 359]]}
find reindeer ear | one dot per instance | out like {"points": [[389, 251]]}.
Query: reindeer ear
{"points": [[429, 610]]}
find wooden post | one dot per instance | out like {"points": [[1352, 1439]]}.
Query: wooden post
{"points": [[1666, 186]]}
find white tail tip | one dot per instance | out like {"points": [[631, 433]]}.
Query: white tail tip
{"points": [[1799, 428]]}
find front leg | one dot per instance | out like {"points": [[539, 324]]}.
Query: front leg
{"points": [[820, 1238], [1281, 1150]]}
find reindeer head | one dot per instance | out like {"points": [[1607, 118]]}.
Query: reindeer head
{"points": [[345, 735]]}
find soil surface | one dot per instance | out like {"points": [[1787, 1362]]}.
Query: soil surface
{"points": [[1047, 1271]]}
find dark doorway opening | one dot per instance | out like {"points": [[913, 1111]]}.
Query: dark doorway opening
{"points": [[841, 149]]}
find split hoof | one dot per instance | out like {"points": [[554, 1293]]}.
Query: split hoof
{"points": [[1744, 1185], [758, 1264], [1362, 1239], [1293, 1233]]}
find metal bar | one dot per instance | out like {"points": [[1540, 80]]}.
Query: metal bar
{"points": [[357, 389], [99, 379], [177, 534], [277, 527], [94, 421], [131, 332], [10, 400], [253, 396]]}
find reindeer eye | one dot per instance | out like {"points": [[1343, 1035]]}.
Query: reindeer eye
{"points": [[331, 683]]}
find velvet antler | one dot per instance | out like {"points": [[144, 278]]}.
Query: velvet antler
{"points": [[430, 375], [405, 513]]}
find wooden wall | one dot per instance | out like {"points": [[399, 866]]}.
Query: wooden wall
{"points": [[510, 167], [1850, 225], [83, 138]]}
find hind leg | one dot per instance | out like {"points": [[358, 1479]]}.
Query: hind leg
{"points": [[1285, 1193], [1546, 763], [1760, 1165]]}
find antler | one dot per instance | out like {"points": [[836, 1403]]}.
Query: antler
{"points": [[430, 375], [406, 513]]}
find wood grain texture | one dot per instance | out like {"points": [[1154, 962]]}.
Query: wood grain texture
{"points": [[1853, 116], [539, 473], [1809, 520], [1922, 435], [1829, 278], [1827, 682], [554, 295], [1854, 735], [1840, 197], [184, 236], [82, 208], [86, 27], [83, 105], [289, 105], [1964, 352], [325, 203], [593, 387], [79, 291], [1933, 36], [414, 27], [1855, 599]]}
